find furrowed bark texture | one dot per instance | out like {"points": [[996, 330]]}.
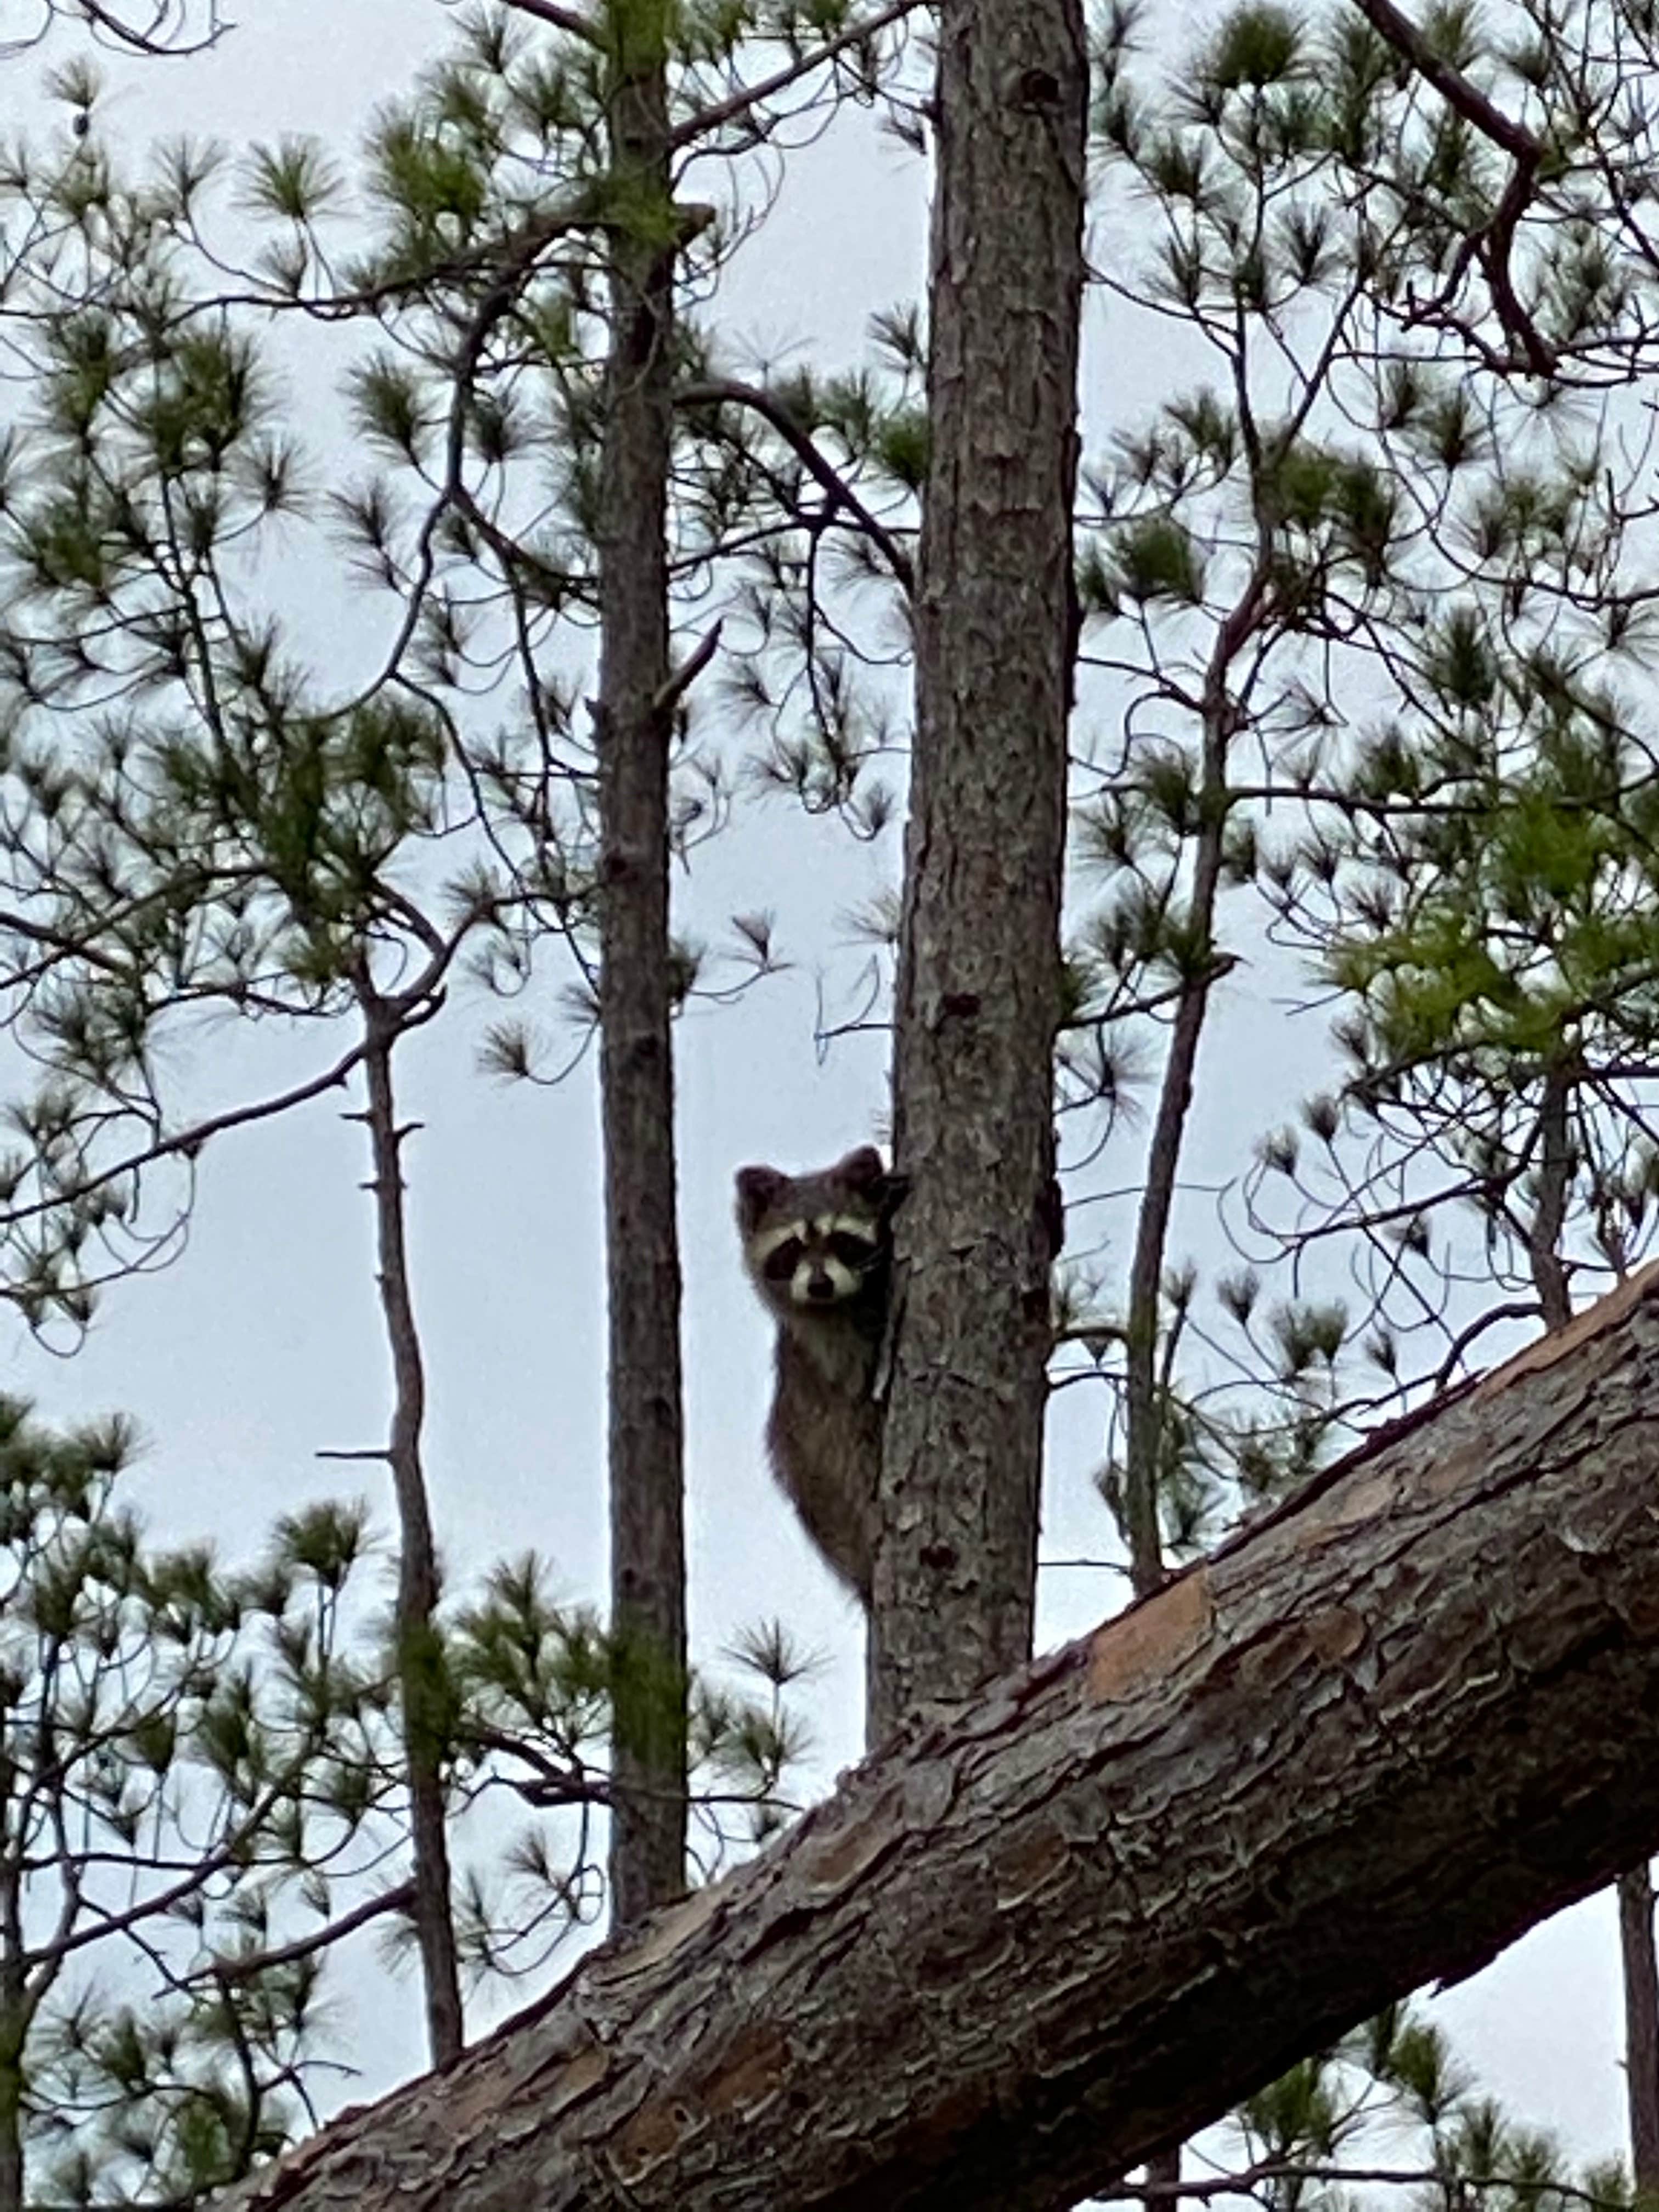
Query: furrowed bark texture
{"points": [[978, 996], [1043, 1938], [636, 1066]]}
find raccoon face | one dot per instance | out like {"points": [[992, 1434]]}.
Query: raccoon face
{"points": [[816, 1263], [815, 1242]]}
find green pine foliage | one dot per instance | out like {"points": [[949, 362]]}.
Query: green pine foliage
{"points": [[201, 1787], [196, 819], [1367, 615], [174, 1825]]}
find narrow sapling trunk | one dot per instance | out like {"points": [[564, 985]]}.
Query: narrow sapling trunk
{"points": [[1145, 1394], [16, 2006], [1555, 1168], [1143, 1400], [1636, 1951], [423, 1683], [978, 999], [634, 717], [11, 2114]]}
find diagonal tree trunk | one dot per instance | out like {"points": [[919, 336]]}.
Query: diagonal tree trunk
{"points": [[1044, 1937], [977, 1006]]}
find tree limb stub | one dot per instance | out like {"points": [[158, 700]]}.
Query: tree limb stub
{"points": [[1039, 1937]]}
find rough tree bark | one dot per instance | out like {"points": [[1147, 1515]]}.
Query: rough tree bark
{"points": [[978, 999], [635, 718], [1042, 1938]]}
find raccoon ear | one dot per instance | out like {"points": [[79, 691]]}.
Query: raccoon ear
{"points": [[757, 1188], [860, 1170]]}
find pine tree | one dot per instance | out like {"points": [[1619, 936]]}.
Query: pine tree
{"points": [[193, 1757]]}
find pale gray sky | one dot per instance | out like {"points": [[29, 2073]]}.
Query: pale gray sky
{"points": [[262, 1346]]}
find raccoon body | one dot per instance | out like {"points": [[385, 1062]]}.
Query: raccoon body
{"points": [[819, 1249]]}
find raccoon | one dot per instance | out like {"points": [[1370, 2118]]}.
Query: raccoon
{"points": [[819, 1248]]}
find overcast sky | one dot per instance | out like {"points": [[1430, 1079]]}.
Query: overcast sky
{"points": [[262, 1346]]}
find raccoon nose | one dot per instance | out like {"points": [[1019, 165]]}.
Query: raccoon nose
{"points": [[820, 1287]]}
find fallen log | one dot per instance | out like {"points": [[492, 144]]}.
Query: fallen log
{"points": [[1037, 1938]]}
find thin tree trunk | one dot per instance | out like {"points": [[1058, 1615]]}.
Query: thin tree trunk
{"points": [[422, 1679], [18, 2004], [1144, 1412], [11, 2140], [1636, 1952], [11, 2125], [978, 998], [634, 720], [1399, 1721], [1144, 1394], [1635, 1887], [1549, 1269]]}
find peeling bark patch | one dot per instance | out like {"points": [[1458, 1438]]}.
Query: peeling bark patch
{"points": [[666, 1931], [927, 1796], [1336, 1633], [578, 2079], [1448, 1471], [960, 1955], [848, 1853], [753, 2066], [654, 2133], [1021, 1872], [1365, 1498], [1149, 1639]]}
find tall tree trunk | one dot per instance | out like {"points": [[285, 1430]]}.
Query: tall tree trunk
{"points": [[1641, 2025], [423, 1682], [978, 998], [18, 2004], [12, 2040], [1367, 1744], [634, 720], [1635, 1887], [11, 2134]]}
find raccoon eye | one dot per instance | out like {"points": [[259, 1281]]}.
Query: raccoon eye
{"points": [[856, 1253], [780, 1266]]}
